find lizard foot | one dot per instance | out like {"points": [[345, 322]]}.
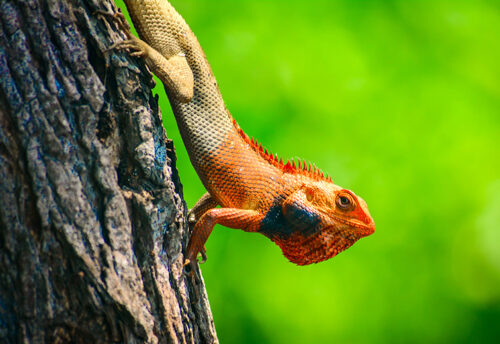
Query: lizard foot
{"points": [[203, 255], [139, 48], [118, 18]]}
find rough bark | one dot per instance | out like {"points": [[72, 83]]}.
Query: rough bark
{"points": [[92, 221]]}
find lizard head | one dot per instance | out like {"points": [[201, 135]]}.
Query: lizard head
{"points": [[324, 219]]}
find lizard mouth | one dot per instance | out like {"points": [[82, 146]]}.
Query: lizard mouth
{"points": [[366, 229]]}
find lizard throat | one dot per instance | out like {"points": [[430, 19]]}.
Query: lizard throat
{"points": [[315, 248]]}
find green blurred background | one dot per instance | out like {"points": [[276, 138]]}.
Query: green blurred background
{"points": [[398, 101]]}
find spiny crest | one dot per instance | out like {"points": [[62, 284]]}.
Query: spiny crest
{"points": [[302, 167]]}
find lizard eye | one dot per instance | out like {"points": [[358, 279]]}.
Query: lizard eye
{"points": [[345, 202]]}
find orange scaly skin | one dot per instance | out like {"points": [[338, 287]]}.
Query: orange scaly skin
{"points": [[293, 205], [296, 206]]}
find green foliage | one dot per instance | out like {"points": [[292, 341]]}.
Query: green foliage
{"points": [[398, 101]]}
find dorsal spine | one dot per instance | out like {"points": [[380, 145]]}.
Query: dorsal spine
{"points": [[302, 167]]}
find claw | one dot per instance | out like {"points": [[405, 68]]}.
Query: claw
{"points": [[117, 17], [203, 255]]}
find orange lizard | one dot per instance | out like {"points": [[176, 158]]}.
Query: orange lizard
{"points": [[294, 204]]}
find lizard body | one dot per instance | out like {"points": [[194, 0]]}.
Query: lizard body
{"points": [[295, 205]]}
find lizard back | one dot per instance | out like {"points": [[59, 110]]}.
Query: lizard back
{"points": [[222, 158]]}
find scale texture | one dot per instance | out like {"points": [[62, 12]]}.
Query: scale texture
{"points": [[293, 204]]}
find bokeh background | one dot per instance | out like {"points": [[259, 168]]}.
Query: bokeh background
{"points": [[398, 101]]}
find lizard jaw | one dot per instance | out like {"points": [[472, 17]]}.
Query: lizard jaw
{"points": [[366, 229]]}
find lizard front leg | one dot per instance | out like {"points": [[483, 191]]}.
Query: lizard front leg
{"points": [[205, 203], [247, 220]]}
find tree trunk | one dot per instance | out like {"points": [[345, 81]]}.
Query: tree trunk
{"points": [[92, 220]]}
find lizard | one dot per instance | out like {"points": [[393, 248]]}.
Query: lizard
{"points": [[294, 204]]}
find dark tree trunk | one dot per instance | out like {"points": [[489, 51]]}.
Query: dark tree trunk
{"points": [[92, 220]]}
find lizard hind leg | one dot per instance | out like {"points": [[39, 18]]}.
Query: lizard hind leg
{"points": [[173, 71]]}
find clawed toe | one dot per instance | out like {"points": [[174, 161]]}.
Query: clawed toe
{"points": [[203, 256], [130, 44], [118, 18]]}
